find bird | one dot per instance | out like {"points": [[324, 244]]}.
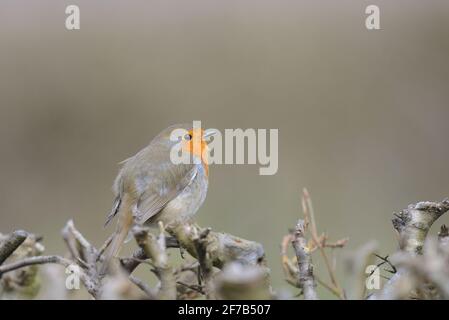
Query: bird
{"points": [[151, 188]]}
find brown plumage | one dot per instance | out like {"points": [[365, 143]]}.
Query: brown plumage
{"points": [[151, 188]]}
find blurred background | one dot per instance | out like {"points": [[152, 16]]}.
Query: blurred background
{"points": [[362, 115]]}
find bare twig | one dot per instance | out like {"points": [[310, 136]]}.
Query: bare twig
{"points": [[85, 255], [154, 248], [290, 267], [200, 242], [11, 243], [196, 288], [309, 215], [385, 260], [187, 280], [129, 264], [290, 270], [306, 280], [33, 261], [325, 244], [103, 248], [150, 292], [78, 243]]}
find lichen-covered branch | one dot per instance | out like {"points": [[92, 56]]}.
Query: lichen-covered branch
{"points": [[414, 223], [154, 248], [211, 249], [11, 243], [306, 279], [223, 266], [23, 282], [222, 248], [430, 271], [299, 270]]}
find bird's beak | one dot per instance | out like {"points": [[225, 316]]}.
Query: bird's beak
{"points": [[209, 133]]}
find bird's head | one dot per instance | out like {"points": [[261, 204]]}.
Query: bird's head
{"points": [[195, 141], [189, 139]]}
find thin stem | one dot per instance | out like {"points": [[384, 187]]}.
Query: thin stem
{"points": [[310, 215], [33, 261]]}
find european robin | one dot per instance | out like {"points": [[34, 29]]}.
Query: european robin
{"points": [[150, 188]]}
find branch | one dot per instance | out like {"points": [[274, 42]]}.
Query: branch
{"points": [[154, 248], [414, 223], [309, 215], [144, 287], [306, 280], [131, 263], [33, 261], [85, 255], [201, 245], [222, 247], [432, 266], [78, 246], [242, 282], [13, 241], [25, 282]]}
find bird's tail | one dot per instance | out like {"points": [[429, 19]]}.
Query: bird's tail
{"points": [[125, 221]]}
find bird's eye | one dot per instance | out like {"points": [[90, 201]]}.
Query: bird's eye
{"points": [[188, 137]]}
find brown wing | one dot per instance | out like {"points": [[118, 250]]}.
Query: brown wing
{"points": [[151, 178], [162, 191]]}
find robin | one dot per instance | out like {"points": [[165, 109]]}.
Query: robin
{"points": [[151, 188]]}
